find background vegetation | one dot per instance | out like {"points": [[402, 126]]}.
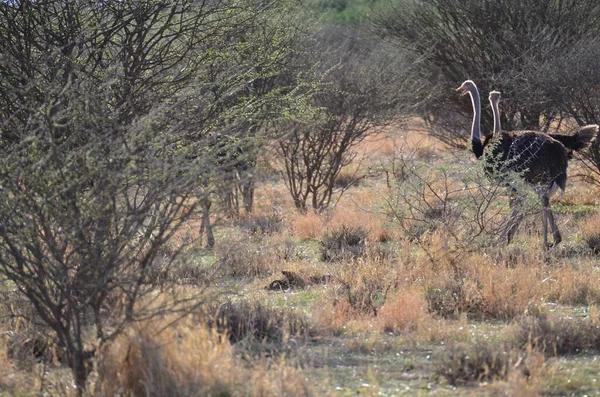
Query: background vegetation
{"points": [[273, 198]]}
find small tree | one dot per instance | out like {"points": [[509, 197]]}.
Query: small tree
{"points": [[363, 89], [108, 113]]}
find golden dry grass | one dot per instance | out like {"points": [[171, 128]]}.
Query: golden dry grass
{"points": [[405, 310], [591, 232], [189, 359]]}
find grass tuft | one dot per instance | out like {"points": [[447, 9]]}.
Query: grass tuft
{"points": [[591, 233], [245, 255], [255, 323], [484, 361], [406, 310], [261, 225], [344, 243], [558, 336]]}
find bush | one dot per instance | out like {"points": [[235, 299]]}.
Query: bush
{"points": [[483, 360], [26, 338], [261, 225], [446, 302], [362, 87], [476, 362], [365, 284], [253, 323], [558, 336], [481, 289], [344, 243], [244, 255]]}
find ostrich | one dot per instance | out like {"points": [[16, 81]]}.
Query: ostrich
{"points": [[540, 159]]}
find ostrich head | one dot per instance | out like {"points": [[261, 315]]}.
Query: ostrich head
{"points": [[494, 96], [467, 87]]}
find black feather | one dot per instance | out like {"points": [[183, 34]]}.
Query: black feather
{"points": [[477, 147], [580, 140]]}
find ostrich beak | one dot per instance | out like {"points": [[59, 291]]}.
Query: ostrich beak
{"points": [[461, 90]]}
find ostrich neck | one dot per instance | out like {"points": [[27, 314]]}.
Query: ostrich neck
{"points": [[496, 116], [475, 128]]}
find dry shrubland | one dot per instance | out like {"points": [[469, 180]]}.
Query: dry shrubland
{"points": [[382, 274]]}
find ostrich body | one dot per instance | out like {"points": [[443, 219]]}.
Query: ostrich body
{"points": [[540, 159]]}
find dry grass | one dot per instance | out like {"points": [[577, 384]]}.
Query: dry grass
{"points": [[478, 286], [189, 360], [355, 214], [591, 233], [307, 226], [405, 310], [260, 224], [412, 136], [557, 335], [358, 290], [349, 214], [573, 285], [578, 192], [245, 254], [254, 323]]}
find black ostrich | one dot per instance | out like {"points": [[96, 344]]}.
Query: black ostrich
{"points": [[540, 159]]}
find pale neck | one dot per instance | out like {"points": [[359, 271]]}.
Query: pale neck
{"points": [[496, 113], [475, 128]]}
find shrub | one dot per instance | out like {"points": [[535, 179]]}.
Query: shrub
{"points": [[250, 256], [255, 323], [364, 284], [558, 336], [483, 360], [29, 346], [476, 362], [525, 61], [344, 243], [476, 286], [25, 339], [360, 90], [262, 225]]}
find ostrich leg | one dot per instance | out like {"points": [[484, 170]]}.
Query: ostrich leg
{"points": [[515, 218], [549, 217], [545, 221]]}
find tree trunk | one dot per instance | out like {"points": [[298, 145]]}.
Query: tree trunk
{"points": [[205, 224], [248, 195], [79, 372]]}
